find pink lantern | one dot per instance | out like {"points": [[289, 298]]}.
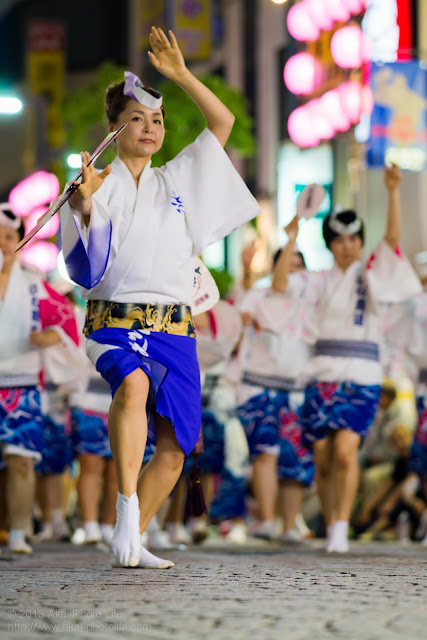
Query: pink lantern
{"points": [[355, 6], [332, 109], [319, 14], [322, 126], [350, 94], [36, 190], [302, 73], [337, 9], [300, 127], [300, 24], [50, 228], [42, 255], [347, 47]]}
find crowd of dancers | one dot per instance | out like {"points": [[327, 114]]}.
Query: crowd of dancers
{"points": [[283, 381]]}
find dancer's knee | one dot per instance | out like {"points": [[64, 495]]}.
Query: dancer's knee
{"points": [[133, 391]]}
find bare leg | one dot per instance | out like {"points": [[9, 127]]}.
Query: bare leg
{"points": [[4, 515], [161, 474], [89, 486], [127, 429], [346, 445], [291, 494], [108, 504], [20, 496], [323, 458], [176, 508], [265, 484]]}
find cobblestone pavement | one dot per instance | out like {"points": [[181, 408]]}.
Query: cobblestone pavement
{"points": [[378, 591]]}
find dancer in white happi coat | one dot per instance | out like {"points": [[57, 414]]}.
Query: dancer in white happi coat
{"points": [[33, 317], [225, 450], [415, 486], [344, 375], [272, 355], [131, 240]]}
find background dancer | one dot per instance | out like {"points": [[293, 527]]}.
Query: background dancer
{"points": [[272, 355], [345, 373], [32, 317], [130, 241]]}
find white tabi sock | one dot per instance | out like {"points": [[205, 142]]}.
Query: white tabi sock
{"points": [[107, 531], [147, 560], [17, 542], [92, 531], [125, 543], [338, 541]]}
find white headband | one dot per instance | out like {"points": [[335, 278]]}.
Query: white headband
{"points": [[341, 228], [134, 88], [5, 221]]}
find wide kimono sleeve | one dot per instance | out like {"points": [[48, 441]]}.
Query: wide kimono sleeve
{"points": [[210, 192], [63, 363], [87, 250], [280, 312], [390, 276]]}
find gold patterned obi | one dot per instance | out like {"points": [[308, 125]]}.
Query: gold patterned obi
{"points": [[166, 318]]}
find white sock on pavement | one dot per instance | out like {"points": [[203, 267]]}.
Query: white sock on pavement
{"points": [[338, 541], [147, 560], [125, 543], [92, 531], [107, 531], [17, 541]]}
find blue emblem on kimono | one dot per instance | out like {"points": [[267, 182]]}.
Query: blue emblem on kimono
{"points": [[177, 202]]}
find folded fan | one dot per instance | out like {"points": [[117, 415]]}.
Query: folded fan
{"points": [[58, 202]]}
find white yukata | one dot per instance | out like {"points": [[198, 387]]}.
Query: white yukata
{"points": [[30, 305], [140, 248], [272, 358], [417, 355], [225, 450], [344, 325]]}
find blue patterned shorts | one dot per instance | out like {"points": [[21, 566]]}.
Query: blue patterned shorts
{"points": [[295, 460], [334, 406], [418, 456], [21, 420], [57, 452], [90, 433], [260, 417]]}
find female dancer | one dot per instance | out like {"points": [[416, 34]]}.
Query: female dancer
{"points": [[345, 374], [130, 241]]}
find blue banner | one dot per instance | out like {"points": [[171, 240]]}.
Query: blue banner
{"points": [[399, 119]]}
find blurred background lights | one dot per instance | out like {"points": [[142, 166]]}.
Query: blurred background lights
{"points": [[41, 254], [300, 24], [60, 264], [74, 161], [9, 105], [347, 47], [50, 228], [318, 14], [36, 190], [301, 129], [337, 9], [302, 73]]}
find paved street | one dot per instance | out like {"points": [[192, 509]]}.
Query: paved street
{"points": [[378, 591]]}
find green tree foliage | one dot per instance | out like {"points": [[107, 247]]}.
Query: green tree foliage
{"points": [[86, 124]]}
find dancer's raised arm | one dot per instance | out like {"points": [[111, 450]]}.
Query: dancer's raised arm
{"points": [[392, 178], [167, 58]]}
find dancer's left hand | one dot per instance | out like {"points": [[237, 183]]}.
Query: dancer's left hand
{"points": [[392, 177], [166, 56]]}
